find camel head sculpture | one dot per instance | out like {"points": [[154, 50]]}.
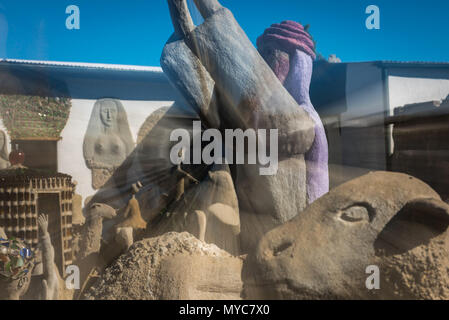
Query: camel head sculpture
{"points": [[389, 220]]}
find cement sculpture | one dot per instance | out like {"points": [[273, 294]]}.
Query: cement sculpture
{"points": [[50, 282], [88, 258], [108, 140], [4, 154], [390, 220], [289, 50], [217, 59], [209, 211], [133, 225]]}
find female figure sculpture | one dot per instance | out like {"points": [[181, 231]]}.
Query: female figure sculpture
{"points": [[4, 154], [108, 140]]}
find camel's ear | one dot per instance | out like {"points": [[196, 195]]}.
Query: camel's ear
{"points": [[416, 224]]}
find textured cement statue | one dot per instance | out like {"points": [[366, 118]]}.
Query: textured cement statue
{"points": [[182, 177], [220, 73], [50, 281], [108, 140], [4, 154], [289, 50], [88, 258], [132, 215], [91, 237], [389, 220], [216, 197], [133, 224]]}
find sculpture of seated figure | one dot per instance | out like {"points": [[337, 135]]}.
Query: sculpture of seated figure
{"points": [[108, 140], [132, 213], [133, 224], [182, 177]]}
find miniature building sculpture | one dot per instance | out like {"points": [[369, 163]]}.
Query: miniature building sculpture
{"points": [[24, 194]]}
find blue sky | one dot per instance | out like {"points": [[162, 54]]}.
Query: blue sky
{"points": [[134, 31]]}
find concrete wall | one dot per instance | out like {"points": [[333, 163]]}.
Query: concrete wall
{"points": [[70, 148], [364, 91], [363, 144]]}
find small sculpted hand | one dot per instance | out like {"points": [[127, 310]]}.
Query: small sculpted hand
{"points": [[42, 221]]}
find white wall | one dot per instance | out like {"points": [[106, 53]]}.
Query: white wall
{"points": [[70, 148], [407, 90], [408, 86]]}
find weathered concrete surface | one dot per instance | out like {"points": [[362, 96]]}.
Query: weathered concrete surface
{"points": [[268, 201], [189, 76]]}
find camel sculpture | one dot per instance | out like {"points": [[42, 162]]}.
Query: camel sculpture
{"points": [[389, 220], [88, 257]]}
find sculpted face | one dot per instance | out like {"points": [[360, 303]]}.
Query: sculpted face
{"points": [[108, 114], [324, 252]]}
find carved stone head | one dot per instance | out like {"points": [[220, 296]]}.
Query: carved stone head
{"points": [[108, 112]]}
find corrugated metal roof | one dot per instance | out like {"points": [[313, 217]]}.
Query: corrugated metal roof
{"points": [[393, 63], [103, 66], [419, 64]]}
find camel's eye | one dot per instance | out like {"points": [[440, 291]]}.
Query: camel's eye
{"points": [[355, 214]]}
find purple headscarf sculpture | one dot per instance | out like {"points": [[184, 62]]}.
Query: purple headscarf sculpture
{"points": [[289, 50]]}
